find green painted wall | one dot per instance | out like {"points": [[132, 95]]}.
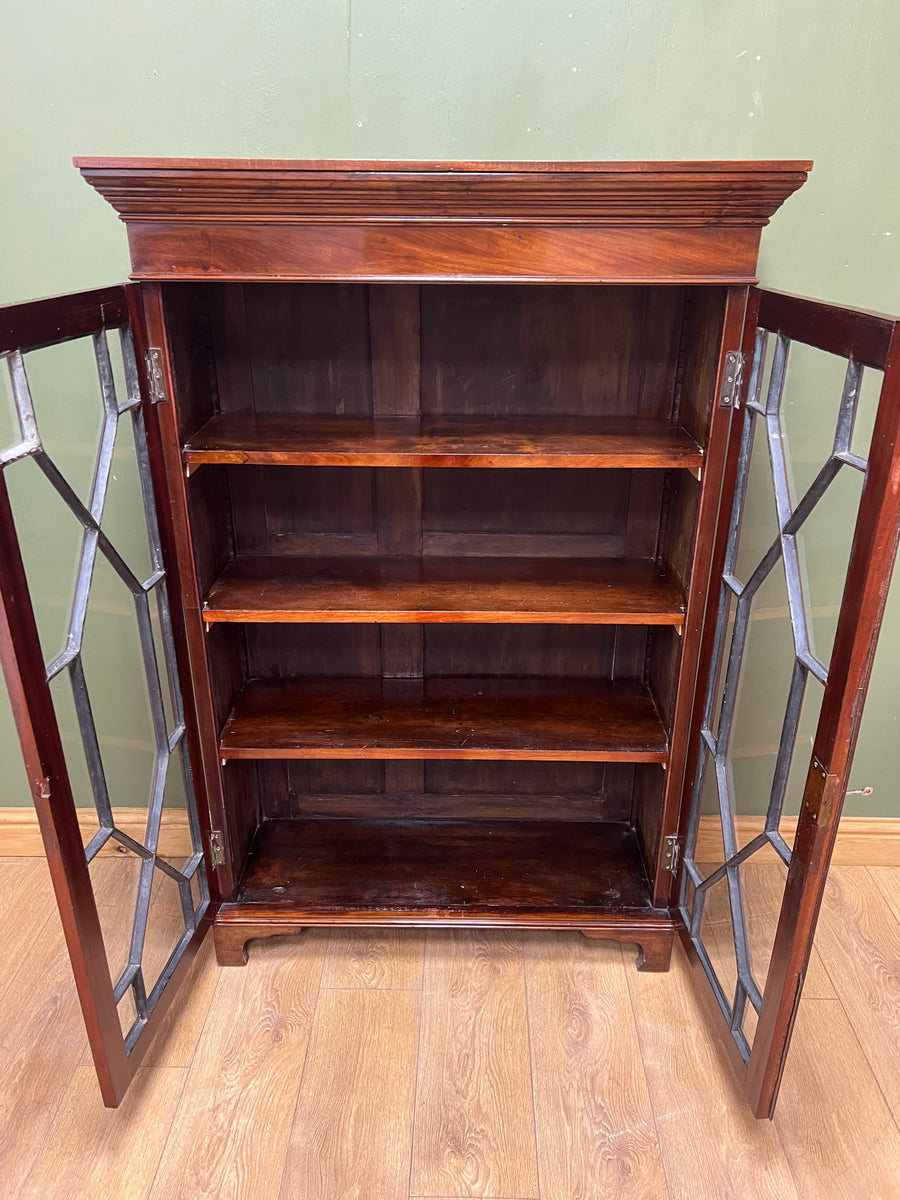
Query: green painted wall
{"points": [[462, 79]]}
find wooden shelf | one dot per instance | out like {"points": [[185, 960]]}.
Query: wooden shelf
{"points": [[486, 867], [445, 718], [401, 589], [295, 440]]}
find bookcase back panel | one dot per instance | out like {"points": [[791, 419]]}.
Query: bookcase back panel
{"points": [[573, 351], [304, 510], [583, 513], [599, 652], [527, 791]]}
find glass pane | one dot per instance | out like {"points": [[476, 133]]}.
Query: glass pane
{"points": [[762, 881], [749, 1022], [869, 395], [10, 429], [114, 670], [115, 875], [165, 927], [174, 833], [759, 526], [809, 412], [824, 541], [73, 748], [127, 1012], [123, 514], [114, 345], [763, 688], [796, 783], [50, 538], [197, 896], [717, 937], [728, 634], [68, 406]]}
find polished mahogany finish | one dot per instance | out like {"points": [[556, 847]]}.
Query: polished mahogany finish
{"points": [[23, 328], [469, 718], [39, 323], [513, 442], [395, 589], [468, 696], [664, 222], [463, 874], [455, 868]]}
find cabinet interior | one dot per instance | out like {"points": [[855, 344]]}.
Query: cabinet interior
{"points": [[443, 678]]}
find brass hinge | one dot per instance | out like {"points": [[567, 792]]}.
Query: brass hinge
{"points": [[730, 395], [216, 848], [156, 376], [671, 855], [820, 791], [42, 788]]}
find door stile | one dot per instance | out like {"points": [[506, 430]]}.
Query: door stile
{"points": [[872, 558], [721, 449], [165, 444], [48, 778]]}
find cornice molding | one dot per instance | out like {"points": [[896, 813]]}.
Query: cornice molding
{"points": [[670, 194]]}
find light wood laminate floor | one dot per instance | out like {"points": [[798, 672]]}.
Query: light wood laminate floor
{"points": [[397, 1065]]}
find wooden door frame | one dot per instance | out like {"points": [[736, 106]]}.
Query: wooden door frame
{"points": [[872, 340], [22, 328]]}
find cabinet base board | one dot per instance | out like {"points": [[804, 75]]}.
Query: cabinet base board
{"points": [[237, 924]]}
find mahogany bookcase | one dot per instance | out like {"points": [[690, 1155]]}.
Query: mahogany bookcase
{"points": [[444, 466]]}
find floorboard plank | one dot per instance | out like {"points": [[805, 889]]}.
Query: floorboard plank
{"points": [[859, 940], [352, 1132], [474, 1117], [20, 879], [125, 1143], [710, 1144], [838, 1133], [42, 1039], [888, 881], [375, 958], [233, 1123], [182, 1027], [595, 1129]]}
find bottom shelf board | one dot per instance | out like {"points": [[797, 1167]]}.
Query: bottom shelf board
{"points": [[443, 867]]}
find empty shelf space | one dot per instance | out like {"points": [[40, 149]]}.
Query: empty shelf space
{"points": [[399, 589], [445, 718], [536, 867], [461, 441]]}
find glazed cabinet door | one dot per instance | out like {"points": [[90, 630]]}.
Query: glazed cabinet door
{"points": [[802, 563], [93, 656]]}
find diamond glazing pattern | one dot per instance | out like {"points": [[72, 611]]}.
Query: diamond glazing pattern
{"points": [[717, 725], [168, 734]]}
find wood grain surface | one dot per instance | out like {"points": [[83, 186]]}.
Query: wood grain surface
{"points": [[407, 589], [375, 958], [593, 1115], [445, 718], [238, 1101], [293, 439], [848, 1151], [481, 868], [474, 1131], [710, 1143], [834, 1137], [351, 1129], [126, 1143], [861, 944]]}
